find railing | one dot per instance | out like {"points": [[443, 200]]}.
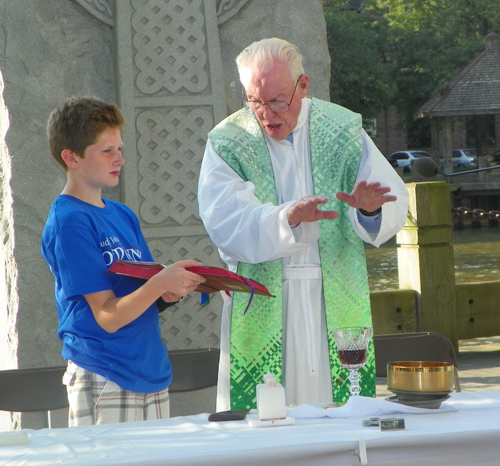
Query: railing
{"points": [[428, 298], [477, 213]]}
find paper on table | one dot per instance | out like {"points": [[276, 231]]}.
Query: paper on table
{"points": [[360, 406], [254, 421]]}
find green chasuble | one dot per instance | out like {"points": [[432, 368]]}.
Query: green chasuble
{"points": [[256, 337]]}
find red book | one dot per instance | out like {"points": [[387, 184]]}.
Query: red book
{"points": [[218, 279]]}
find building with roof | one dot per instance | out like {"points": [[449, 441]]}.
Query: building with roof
{"points": [[474, 92]]}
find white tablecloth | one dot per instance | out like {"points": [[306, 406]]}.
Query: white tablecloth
{"points": [[466, 434]]}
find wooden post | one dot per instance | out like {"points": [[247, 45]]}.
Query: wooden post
{"points": [[425, 258], [446, 144]]}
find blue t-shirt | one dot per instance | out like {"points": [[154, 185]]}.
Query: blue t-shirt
{"points": [[80, 241]]}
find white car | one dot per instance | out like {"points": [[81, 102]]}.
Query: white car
{"points": [[405, 158]]}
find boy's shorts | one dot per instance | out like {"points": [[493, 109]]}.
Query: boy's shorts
{"points": [[94, 400]]}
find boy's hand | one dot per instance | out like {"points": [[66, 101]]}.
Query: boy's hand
{"points": [[179, 281], [173, 282], [170, 297]]}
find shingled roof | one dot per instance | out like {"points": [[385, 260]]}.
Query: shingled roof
{"points": [[473, 91]]}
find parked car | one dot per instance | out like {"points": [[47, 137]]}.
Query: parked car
{"points": [[462, 158], [406, 158], [494, 159], [394, 163]]}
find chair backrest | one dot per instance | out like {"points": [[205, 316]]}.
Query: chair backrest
{"points": [[418, 346], [193, 369], [31, 390]]}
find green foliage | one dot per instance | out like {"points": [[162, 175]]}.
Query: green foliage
{"points": [[398, 52], [356, 44]]}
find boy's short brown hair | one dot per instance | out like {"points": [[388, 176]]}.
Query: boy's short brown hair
{"points": [[78, 122]]}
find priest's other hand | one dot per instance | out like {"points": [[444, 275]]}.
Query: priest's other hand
{"points": [[306, 210], [367, 196]]}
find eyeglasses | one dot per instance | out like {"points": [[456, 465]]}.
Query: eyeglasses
{"points": [[278, 106]]}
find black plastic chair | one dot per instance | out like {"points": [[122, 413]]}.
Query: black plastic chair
{"points": [[193, 369], [418, 346], [33, 390]]}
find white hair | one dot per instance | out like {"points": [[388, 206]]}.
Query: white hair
{"points": [[263, 54]]}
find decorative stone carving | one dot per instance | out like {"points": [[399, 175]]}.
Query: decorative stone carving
{"points": [[103, 9], [169, 42], [99, 9], [226, 9], [170, 142], [171, 93]]}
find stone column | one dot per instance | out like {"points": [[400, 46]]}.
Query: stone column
{"points": [[8, 269], [172, 94]]}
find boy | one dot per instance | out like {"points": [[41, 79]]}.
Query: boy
{"points": [[118, 368]]}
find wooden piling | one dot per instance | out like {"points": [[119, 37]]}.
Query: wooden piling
{"points": [[425, 258]]}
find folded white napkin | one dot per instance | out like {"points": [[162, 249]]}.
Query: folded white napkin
{"points": [[19, 437], [362, 406]]}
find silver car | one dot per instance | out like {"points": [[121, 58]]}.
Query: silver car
{"points": [[462, 158]]}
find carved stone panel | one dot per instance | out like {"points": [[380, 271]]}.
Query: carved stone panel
{"points": [[172, 94], [170, 141], [226, 9], [170, 51], [102, 10]]}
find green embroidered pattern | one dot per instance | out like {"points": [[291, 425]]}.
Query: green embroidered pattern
{"points": [[256, 338], [335, 155]]}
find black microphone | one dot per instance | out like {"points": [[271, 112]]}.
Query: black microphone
{"points": [[427, 168]]}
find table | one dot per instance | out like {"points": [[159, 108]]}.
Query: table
{"points": [[468, 436]]}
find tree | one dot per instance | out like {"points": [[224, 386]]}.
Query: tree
{"points": [[429, 42], [400, 51], [359, 79]]}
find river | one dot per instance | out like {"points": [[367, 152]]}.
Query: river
{"points": [[477, 259]]}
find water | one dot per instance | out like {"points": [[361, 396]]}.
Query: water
{"points": [[477, 259]]}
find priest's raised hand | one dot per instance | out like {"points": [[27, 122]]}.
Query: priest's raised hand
{"points": [[369, 197], [306, 210]]}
